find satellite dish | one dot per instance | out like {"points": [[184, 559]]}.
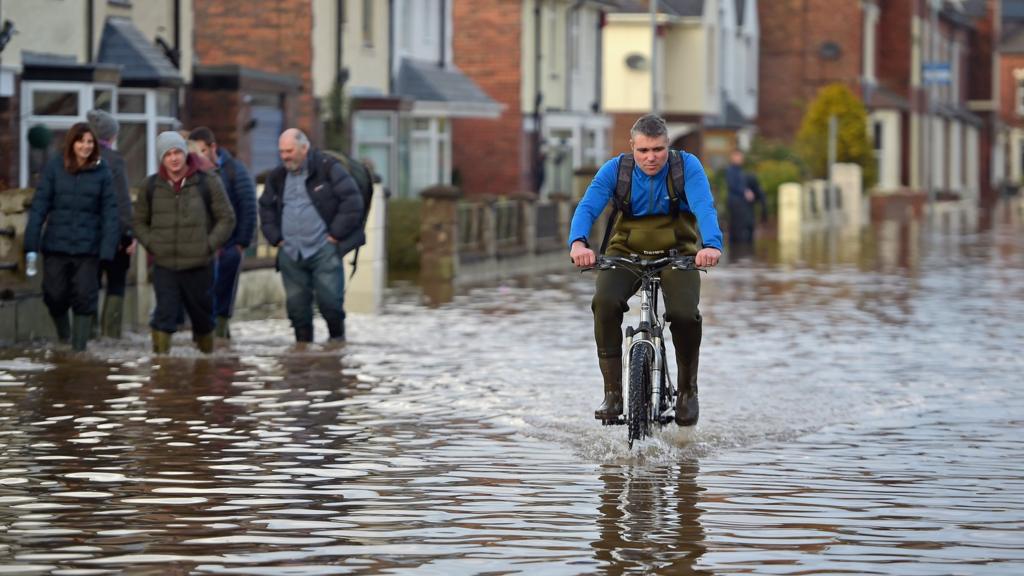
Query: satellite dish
{"points": [[636, 61]]}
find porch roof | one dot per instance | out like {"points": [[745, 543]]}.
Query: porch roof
{"points": [[142, 63], [444, 90]]}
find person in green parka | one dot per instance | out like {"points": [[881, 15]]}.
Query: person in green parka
{"points": [[182, 217]]}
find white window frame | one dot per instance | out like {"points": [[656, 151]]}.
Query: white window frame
{"points": [[1020, 92], [85, 92], [390, 179], [436, 141]]}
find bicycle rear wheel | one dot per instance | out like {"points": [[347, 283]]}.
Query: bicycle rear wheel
{"points": [[639, 417]]}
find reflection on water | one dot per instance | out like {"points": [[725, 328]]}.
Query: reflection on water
{"points": [[861, 414]]}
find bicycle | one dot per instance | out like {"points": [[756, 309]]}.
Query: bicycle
{"points": [[645, 360]]}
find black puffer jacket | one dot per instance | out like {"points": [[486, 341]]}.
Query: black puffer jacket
{"points": [[74, 214], [333, 193]]}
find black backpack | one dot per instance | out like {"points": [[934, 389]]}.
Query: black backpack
{"points": [[622, 200], [364, 182]]}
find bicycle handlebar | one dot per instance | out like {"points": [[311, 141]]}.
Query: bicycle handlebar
{"points": [[637, 263]]}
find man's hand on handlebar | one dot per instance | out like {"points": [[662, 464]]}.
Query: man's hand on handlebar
{"points": [[707, 257], [582, 256]]}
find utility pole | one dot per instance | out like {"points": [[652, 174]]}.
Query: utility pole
{"points": [[654, 57], [929, 90]]}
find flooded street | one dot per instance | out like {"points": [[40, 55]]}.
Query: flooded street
{"points": [[861, 413]]}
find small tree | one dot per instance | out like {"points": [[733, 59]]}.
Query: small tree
{"points": [[852, 141]]}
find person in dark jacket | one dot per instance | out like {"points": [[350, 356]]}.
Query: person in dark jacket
{"points": [[311, 210], [116, 271], [744, 192], [73, 222], [242, 192], [182, 217]]}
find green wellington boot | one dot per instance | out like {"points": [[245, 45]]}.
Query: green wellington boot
{"points": [[223, 328], [63, 325], [113, 310], [161, 342], [204, 342], [611, 371], [81, 331]]}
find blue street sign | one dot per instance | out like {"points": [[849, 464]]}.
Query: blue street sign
{"points": [[936, 73]]}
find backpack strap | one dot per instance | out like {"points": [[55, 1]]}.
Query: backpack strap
{"points": [[620, 200], [206, 195], [676, 182], [150, 189]]}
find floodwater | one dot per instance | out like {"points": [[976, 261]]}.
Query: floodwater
{"points": [[862, 405]]}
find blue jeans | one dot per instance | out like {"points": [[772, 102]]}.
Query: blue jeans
{"points": [[321, 276], [226, 269]]}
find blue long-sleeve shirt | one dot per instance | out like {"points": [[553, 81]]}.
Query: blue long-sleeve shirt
{"points": [[650, 197]]}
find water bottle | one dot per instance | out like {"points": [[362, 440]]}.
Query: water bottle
{"points": [[30, 263]]}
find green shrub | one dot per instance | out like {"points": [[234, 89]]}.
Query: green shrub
{"points": [[852, 143], [403, 231]]}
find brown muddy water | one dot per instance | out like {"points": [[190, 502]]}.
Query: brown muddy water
{"points": [[862, 409]]}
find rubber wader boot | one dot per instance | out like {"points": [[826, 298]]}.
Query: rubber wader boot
{"points": [[687, 406], [113, 308], [611, 371], [304, 334], [205, 342], [81, 331], [63, 325], [161, 342], [223, 328], [337, 331]]}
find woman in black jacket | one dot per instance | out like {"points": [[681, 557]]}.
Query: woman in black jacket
{"points": [[74, 213]]}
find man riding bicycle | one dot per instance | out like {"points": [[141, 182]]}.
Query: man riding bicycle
{"points": [[652, 216]]}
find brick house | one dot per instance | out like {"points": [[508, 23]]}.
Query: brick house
{"points": [[1011, 97], [67, 58], [923, 69], [542, 61]]}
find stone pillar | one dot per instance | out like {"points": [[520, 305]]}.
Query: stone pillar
{"points": [[527, 202], [365, 293], [791, 210], [439, 223], [848, 179], [489, 227]]}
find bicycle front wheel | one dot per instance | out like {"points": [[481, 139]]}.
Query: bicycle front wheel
{"points": [[638, 420]]}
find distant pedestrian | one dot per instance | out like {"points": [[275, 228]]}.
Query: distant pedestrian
{"points": [[241, 190], [73, 222], [744, 192], [182, 216], [116, 270], [312, 210]]}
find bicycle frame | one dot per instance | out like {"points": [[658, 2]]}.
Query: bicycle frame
{"points": [[648, 333], [654, 405]]}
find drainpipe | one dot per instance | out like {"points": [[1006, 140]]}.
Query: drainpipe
{"points": [[654, 57], [177, 31], [444, 34], [89, 38], [391, 47], [339, 27], [539, 96], [599, 50]]}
